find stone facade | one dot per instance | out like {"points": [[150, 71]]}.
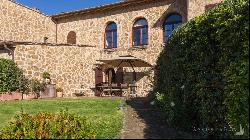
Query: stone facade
{"points": [[19, 23], [197, 7], [69, 66], [72, 66], [90, 28]]}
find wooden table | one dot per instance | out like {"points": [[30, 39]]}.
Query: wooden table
{"points": [[106, 88], [110, 89]]}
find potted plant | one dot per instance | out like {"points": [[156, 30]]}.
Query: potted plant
{"points": [[46, 77], [59, 92], [37, 87]]}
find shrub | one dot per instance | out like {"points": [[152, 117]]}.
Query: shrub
{"points": [[59, 89], [36, 86], [48, 126], [204, 70], [46, 75], [11, 77]]}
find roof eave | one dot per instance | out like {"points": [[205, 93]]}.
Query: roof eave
{"points": [[99, 8]]}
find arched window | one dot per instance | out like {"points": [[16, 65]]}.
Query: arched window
{"points": [[171, 23], [71, 38], [111, 36], [140, 32]]}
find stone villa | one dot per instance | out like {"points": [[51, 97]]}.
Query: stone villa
{"points": [[68, 45]]}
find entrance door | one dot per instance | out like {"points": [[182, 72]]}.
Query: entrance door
{"points": [[98, 80], [119, 76], [110, 76]]}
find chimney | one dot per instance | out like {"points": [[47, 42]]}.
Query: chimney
{"points": [[36, 9]]}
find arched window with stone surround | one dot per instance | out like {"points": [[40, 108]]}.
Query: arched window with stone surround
{"points": [[71, 38], [140, 32], [172, 22], [111, 36]]}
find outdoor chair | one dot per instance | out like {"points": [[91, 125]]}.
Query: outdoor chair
{"points": [[106, 89], [124, 89], [133, 88], [115, 89]]}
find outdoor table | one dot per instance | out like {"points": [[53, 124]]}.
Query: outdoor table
{"points": [[105, 89], [110, 89], [131, 89]]}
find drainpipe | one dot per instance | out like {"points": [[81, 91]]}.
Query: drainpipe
{"points": [[56, 27], [56, 32], [11, 51]]}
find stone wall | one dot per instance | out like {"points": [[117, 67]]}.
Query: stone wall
{"points": [[90, 30], [72, 66], [69, 66], [197, 7], [19, 23]]}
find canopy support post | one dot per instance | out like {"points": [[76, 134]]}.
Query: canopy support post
{"points": [[134, 73]]}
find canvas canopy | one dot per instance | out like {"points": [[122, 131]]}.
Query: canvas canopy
{"points": [[126, 61]]}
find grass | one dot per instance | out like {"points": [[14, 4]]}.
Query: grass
{"points": [[102, 113]]}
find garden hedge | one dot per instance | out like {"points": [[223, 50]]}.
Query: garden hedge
{"points": [[202, 75], [11, 77]]}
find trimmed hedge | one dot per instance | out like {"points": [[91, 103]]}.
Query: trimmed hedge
{"points": [[202, 77], [48, 126], [11, 77]]}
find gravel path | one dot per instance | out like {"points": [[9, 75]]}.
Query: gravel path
{"points": [[142, 122]]}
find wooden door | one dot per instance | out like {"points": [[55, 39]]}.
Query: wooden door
{"points": [[119, 76], [98, 80]]}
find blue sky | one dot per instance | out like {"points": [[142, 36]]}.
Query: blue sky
{"points": [[51, 7]]}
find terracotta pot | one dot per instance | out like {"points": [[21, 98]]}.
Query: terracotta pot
{"points": [[59, 94]]}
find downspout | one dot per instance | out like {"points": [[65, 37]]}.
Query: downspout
{"points": [[11, 51], [56, 27], [56, 32]]}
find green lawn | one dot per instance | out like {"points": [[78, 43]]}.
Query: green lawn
{"points": [[102, 113]]}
